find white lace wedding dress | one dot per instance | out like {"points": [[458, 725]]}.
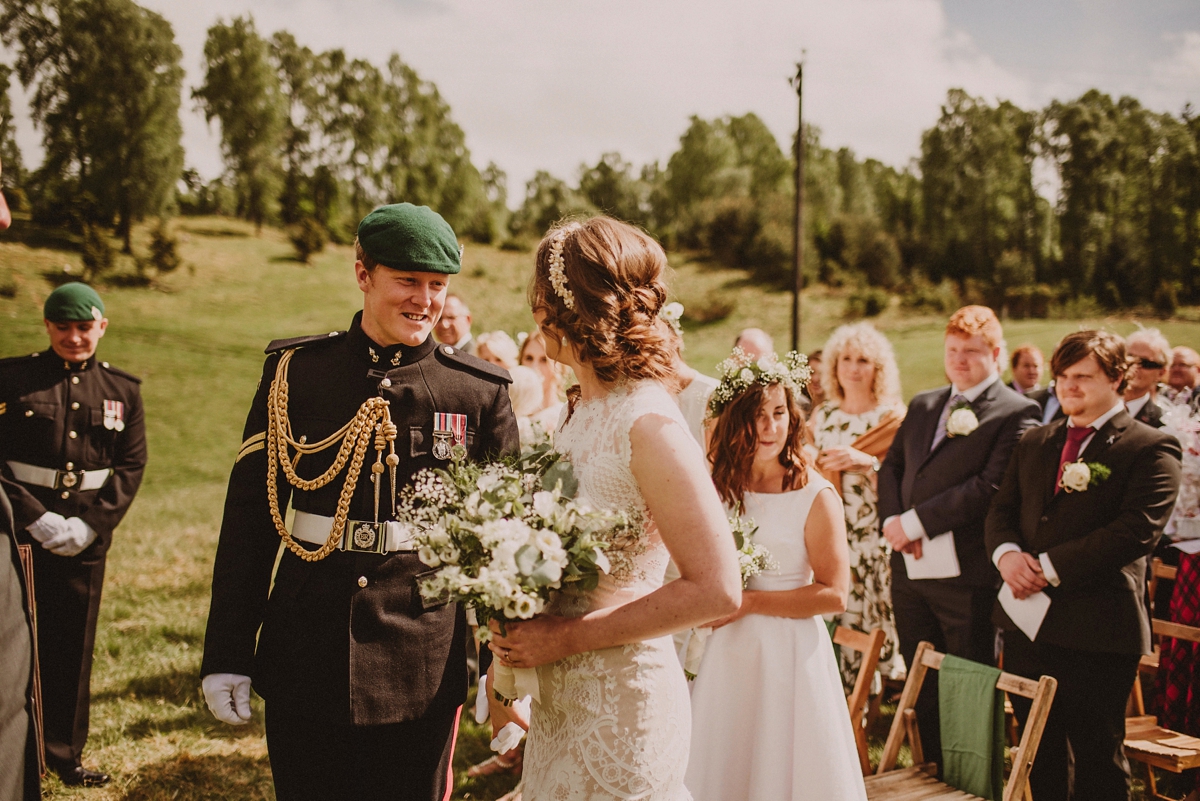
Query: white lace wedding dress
{"points": [[613, 723]]}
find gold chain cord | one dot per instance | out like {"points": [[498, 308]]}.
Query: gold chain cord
{"points": [[355, 436]]}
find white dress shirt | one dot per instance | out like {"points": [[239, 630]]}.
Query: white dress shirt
{"points": [[1047, 567], [1137, 404], [914, 529]]}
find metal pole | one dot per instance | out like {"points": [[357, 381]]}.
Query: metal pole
{"points": [[798, 228]]}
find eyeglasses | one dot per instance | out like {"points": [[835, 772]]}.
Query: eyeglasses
{"points": [[1149, 364]]}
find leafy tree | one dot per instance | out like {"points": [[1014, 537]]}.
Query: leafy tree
{"points": [[977, 186], [241, 89], [614, 189], [10, 154], [547, 200], [107, 99]]}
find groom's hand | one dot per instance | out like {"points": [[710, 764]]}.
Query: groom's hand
{"points": [[1022, 572]]}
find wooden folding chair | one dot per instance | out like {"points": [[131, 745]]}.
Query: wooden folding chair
{"points": [[870, 645], [1149, 743], [918, 782]]}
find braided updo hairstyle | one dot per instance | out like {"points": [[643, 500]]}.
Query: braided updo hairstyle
{"points": [[616, 273]]}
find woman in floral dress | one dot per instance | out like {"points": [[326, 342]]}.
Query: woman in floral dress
{"points": [[852, 431]]}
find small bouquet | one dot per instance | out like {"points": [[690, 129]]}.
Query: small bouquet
{"points": [[752, 560], [503, 538], [1183, 423]]}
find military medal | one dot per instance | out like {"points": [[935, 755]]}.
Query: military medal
{"points": [[448, 430], [114, 415]]}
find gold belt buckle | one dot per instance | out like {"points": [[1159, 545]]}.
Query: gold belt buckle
{"points": [[364, 536], [67, 478]]}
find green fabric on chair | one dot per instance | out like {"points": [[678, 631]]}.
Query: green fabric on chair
{"points": [[832, 626], [972, 723]]}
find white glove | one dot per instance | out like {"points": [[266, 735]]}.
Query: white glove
{"points": [[49, 525], [228, 697], [73, 538]]}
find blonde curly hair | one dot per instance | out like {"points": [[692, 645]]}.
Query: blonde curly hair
{"points": [[861, 338]]}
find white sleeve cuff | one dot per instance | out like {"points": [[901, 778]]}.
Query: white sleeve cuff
{"points": [[1048, 570], [913, 528], [1001, 549]]}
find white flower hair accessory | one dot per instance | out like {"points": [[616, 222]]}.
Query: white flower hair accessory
{"points": [[739, 372], [558, 273], [671, 314]]}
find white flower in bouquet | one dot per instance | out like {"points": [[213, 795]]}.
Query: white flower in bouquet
{"points": [[962, 421], [1183, 423]]}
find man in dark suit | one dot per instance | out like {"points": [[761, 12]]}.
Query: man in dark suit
{"points": [[1079, 510], [934, 487], [1149, 354], [362, 680]]}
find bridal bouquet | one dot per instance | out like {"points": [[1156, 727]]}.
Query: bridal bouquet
{"points": [[503, 537], [752, 560]]}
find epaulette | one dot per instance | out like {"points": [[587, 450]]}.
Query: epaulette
{"points": [[11, 360], [296, 342], [454, 357], [122, 373]]}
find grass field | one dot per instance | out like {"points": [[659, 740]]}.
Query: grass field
{"points": [[196, 338]]}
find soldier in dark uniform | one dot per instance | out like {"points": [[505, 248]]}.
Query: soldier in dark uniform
{"points": [[73, 444], [362, 681], [20, 778]]}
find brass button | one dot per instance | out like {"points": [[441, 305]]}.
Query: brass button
{"points": [[362, 581], [1044, 518], [448, 350], [333, 333], [74, 379], [65, 495], [75, 404], [104, 364], [70, 466], [72, 434], [385, 383], [29, 412]]}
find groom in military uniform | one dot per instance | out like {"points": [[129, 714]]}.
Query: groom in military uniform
{"points": [[362, 680]]}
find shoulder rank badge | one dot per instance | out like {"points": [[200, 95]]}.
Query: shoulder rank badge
{"points": [[448, 430], [114, 415]]}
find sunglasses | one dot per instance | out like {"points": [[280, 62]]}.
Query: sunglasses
{"points": [[1149, 364]]}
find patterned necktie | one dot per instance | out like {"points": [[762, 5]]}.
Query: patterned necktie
{"points": [[940, 434], [1070, 451]]}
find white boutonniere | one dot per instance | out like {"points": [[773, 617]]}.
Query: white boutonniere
{"points": [[1078, 476], [962, 420]]}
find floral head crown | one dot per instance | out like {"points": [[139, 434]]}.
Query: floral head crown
{"points": [[740, 372], [558, 273]]}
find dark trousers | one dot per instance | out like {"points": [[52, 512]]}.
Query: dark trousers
{"points": [[313, 760], [956, 618], [1081, 757], [68, 604]]}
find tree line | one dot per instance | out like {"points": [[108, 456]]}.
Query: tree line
{"points": [[314, 140]]}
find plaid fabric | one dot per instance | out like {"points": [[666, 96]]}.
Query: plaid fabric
{"points": [[1177, 687]]}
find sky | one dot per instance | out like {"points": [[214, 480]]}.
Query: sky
{"points": [[551, 84]]}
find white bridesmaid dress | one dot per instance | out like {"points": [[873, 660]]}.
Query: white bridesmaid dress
{"points": [[769, 719]]}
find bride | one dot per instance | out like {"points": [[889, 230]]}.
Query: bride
{"points": [[614, 721]]}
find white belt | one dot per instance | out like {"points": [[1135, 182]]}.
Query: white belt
{"points": [[79, 480], [360, 536]]}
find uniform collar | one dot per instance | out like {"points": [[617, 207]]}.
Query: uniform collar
{"points": [[380, 357], [72, 367]]}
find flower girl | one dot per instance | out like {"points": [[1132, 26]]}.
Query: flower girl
{"points": [[769, 718]]}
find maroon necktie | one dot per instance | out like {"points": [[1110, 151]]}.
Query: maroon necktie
{"points": [[1070, 451]]}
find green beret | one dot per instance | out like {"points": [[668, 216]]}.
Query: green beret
{"points": [[73, 302], [407, 237]]}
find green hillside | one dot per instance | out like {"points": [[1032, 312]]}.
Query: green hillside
{"points": [[197, 340]]}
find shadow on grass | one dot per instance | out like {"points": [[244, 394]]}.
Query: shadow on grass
{"points": [[214, 231], [193, 719], [179, 687], [187, 778]]}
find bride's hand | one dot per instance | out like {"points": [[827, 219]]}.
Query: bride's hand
{"points": [[531, 643]]}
